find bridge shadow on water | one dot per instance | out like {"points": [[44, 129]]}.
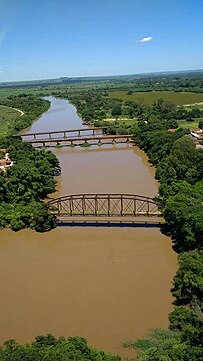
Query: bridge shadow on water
{"points": [[109, 223]]}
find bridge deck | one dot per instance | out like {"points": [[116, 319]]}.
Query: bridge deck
{"points": [[110, 222], [83, 138], [95, 129]]}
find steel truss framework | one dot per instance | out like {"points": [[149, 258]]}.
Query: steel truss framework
{"points": [[108, 205]]}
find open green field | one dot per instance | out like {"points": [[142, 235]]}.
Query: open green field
{"points": [[7, 116], [180, 98], [31, 91], [189, 125], [127, 121], [121, 120]]}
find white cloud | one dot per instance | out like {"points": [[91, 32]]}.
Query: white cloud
{"points": [[145, 40]]}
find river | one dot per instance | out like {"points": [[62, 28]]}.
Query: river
{"points": [[108, 285]]}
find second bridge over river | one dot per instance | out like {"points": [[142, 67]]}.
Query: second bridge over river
{"points": [[75, 137]]}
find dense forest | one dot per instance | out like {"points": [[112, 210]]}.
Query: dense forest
{"points": [[25, 184], [49, 348], [179, 169], [31, 178]]}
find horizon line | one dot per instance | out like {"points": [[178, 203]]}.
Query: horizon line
{"points": [[103, 76]]}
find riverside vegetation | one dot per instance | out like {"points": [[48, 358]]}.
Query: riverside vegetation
{"points": [[31, 178], [7, 116], [179, 169], [49, 348], [31, 105]]}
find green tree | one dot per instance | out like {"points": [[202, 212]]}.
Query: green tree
{"points": [[189, 321], [165, 346], [49, 348], [200, 124], [116, 110], [188, 281]]}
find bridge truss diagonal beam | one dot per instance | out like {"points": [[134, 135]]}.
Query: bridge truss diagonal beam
{"points": [[108, 205]]}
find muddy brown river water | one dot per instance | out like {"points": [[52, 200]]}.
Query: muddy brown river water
{"points": [[109, 285]]}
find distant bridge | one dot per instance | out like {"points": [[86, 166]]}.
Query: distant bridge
{"points": [[74, 137], [62, 133], [104, 205]]}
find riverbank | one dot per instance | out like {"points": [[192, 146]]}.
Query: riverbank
{"points": [[31, 176], [28, 181], [181, 199]]}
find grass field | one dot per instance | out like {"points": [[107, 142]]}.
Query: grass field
{"points": [[181, 123], [150, 97], [127, 121], [31, 91], [190, 125], [121, 120], [7, 116]]}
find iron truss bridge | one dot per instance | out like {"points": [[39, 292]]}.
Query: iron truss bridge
{"points": [[104, 205]]}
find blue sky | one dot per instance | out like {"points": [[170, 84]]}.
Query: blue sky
{"points": [[52, 38]]}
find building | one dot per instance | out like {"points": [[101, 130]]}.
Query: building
{"points": [[5, 163]]}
